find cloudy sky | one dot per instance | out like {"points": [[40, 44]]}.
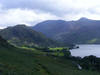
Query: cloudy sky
{"points": [[30, 12]]}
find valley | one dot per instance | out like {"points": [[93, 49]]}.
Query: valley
{"points": [[28, 51], [19, 61], [49, 37]]}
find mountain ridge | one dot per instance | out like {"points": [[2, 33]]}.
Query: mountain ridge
{"points": [[71, 31], [22, 35]]}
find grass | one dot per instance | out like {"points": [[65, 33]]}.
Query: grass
{"points": [[16, 61], [57, 48]]}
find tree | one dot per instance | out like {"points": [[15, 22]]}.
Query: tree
{"points": [[66, 53]]}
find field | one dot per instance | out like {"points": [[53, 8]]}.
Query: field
{"points": [[15, 61]]}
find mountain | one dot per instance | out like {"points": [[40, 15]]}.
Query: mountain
{"points": [[21, 35], [81, 31], [51, 27], [20, 61]]}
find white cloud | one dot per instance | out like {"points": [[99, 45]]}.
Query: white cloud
{"points": [[57, 7], [33, 11], [22, 16]]}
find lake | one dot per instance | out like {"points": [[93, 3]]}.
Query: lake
{"points": [[86, 50]]}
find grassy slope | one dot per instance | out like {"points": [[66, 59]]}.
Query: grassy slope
{"points": [[26, 62], [21, 35]]}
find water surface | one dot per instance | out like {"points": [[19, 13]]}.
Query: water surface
{"points": [[86, 50]]}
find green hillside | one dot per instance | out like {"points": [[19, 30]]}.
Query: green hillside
{"points": [[21, 35], [15, 61]]}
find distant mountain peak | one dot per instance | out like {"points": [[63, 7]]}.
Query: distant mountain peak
{"points": [[20, 25], [83, 19]]}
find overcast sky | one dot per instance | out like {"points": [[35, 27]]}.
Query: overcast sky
{"points": [[30, 12]]}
